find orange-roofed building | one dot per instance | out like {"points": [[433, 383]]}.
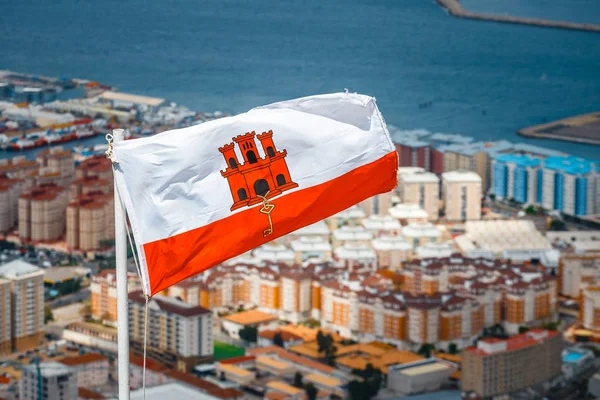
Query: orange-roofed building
{"points": [[99, 166], [497, 366], [10, 190], [92, 369], [103, 296], [56, 165], [42, 213], [90, 221], [20, 168], [89, 184]]}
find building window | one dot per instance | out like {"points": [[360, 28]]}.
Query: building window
{"points": [[242, 194], [270, 152], [233, 163], [280, 179]]}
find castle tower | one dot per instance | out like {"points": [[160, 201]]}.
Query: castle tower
{"points": [[230, 156], [237, 183], [279, 169], [248, 147]]}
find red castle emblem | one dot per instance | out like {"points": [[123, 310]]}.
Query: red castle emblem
{"points": [[256, 179]]}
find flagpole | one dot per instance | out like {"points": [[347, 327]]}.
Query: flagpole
{"points": [[122, 294]]}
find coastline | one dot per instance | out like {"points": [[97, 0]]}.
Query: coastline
{"points": [[455, 9], [570, 129]]}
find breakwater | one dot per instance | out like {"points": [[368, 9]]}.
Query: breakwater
{"points": [[457, 10]]}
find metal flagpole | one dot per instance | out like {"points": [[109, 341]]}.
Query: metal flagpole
{"points": [[122, 294]]}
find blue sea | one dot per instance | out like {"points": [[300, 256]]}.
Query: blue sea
{"points": [[484, 79]]}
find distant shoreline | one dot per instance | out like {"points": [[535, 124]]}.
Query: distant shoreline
{"points": [[572, 129], [457, 10]]}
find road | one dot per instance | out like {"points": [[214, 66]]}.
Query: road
{"points": [[83, 294]]}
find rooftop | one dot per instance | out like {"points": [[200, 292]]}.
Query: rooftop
{"points": [[173, 390], [419, 177], [284, 387], [233, 369], [408, 211], [461, 176], [250, 317], [323, 380], [50, 369], [132, 98], [570, 165], [18, 269], [520, 160], [530, 338], [82, 359]]}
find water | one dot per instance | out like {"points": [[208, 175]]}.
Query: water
{"points": [[233, 55], [572, 357]]}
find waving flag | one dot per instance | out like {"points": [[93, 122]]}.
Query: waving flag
{"points": [[200, 195]]}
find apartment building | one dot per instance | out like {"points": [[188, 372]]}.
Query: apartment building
{"points": [[98, 166], [514, 177], [522, 294], [10, 190], [351, 235], [90, 184], [391, 251], [26, 303], [421, 188], [462, 192], [570, 185], [306, 248], [577, 272], [5, 317], [499, 367], [590, 308], [90, 221], [413, 152], [20, 168], [91, 369], [179, 334], [59, 382], [42, 213], [56, 165], [369, 310], [103, 298]]}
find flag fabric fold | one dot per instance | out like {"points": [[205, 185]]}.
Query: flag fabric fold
{"points": [[201, 195]]}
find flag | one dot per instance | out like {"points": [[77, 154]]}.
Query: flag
{"points": [[201, 195]]}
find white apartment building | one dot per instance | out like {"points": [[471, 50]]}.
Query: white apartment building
{"points": [[179, 334], [417, 186], [91, 368], [27, 303], [59, 382], [462, 195], [306, 248]]}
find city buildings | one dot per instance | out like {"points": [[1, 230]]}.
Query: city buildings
{"points": [[179, 334], [564, 183], [461, 192], [26, 314], [91, 369], [59, 382], [5, 317], [515, 177], [498, 367], [10, 190], [42, 213], [90, 221], [56, 165], [577, 272], [103, 297], [416, 186]]}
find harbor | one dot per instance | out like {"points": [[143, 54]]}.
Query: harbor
{"points": [[455, 9], [40, 112], [581, 129]]}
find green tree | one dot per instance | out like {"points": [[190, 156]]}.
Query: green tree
{"points": [[278, 340], [523, 329], [531, 210], [368, 388], [311, 391], [222, 377], [249, 334], [492, 197], [551, 326], [330, 353], [48, 315], [426, 349], [452, 348], [298, 380]]}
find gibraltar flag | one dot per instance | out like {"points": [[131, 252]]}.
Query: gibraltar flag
{"points": [[198, 196]]}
